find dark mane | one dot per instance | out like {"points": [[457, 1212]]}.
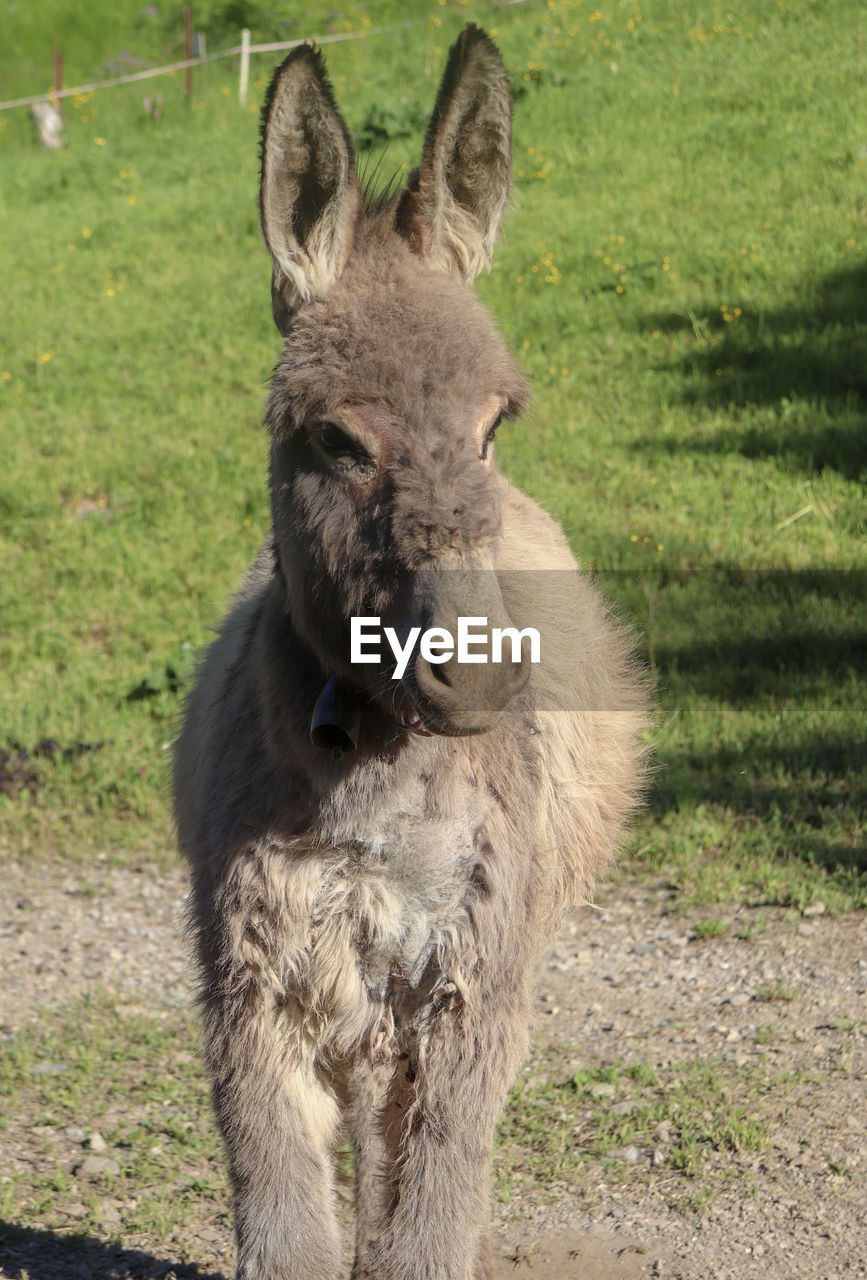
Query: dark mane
{"points": [[378, 197]]}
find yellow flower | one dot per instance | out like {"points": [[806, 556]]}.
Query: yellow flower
{"points": [[45, 356], [100, 142], [86, 232]]}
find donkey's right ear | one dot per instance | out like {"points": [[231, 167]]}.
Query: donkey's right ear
{"points": [[308, 196]]}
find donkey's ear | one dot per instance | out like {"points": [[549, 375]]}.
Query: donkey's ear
{"points": [[452, 207], [308, 195]]}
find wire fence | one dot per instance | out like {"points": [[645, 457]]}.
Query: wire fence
{"points": [[243, 51], [234, 52]]}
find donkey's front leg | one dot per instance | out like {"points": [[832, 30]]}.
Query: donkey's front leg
{"points": [[278, 1123], [437, 1225]]}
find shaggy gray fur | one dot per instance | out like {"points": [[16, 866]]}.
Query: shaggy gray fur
{"points": [[366, 925]]}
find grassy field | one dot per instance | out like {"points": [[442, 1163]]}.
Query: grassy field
{"points": [[684, 278]]}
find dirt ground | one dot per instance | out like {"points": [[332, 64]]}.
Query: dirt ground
{"points": [[626, 981]]}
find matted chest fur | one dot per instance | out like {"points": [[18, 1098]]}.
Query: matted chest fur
{"points": [[357, 934]]}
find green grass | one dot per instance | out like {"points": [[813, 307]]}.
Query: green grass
{"points": [[134, 1080], [709, 929], [688, 1126], [683, 277]]}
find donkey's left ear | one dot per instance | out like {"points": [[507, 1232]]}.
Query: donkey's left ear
{"points": [[308, 196], [453, 205]]}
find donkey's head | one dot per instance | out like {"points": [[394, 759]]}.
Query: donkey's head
{"points": [[392, 382]]}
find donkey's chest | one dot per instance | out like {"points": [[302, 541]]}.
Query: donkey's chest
{"points": [[378, 932]]}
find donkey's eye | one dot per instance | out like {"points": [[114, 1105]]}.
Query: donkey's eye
{"points": [[489, 436], [340, 449]]}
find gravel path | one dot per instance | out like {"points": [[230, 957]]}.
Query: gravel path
{"points": [[628, 981]]}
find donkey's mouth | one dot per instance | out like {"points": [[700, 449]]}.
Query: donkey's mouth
{"points": [[421, 715], [410, 710]]}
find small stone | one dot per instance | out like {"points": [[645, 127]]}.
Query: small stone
{"points": [[622, 1108], [96, 1142], [47, 1069], [630, 1155], [816, 909], [602, 1090], [657, 1157], [94, 1166]]}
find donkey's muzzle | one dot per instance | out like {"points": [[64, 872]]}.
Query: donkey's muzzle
{"points": [[467, 690]]}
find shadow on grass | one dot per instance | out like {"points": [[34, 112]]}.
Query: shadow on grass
{"points": [[760, 677], [741, 636], [38, 1254], [802, 367]]}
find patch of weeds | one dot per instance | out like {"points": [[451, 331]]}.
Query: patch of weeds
{"points": [[535, 77], [753, 927], [126, 1078], [20, 767], [172, 677], [385, 121], [845, 1060], [704, 929], [776, 991], [695, 1119], [844, 1023]]}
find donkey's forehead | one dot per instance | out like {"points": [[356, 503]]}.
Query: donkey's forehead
{"points": [[392, 332]]}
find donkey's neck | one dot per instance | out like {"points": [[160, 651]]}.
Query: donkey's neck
{"points": [[292, 681]]}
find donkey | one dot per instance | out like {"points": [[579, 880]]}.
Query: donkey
{"points": [[376, 861]]}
